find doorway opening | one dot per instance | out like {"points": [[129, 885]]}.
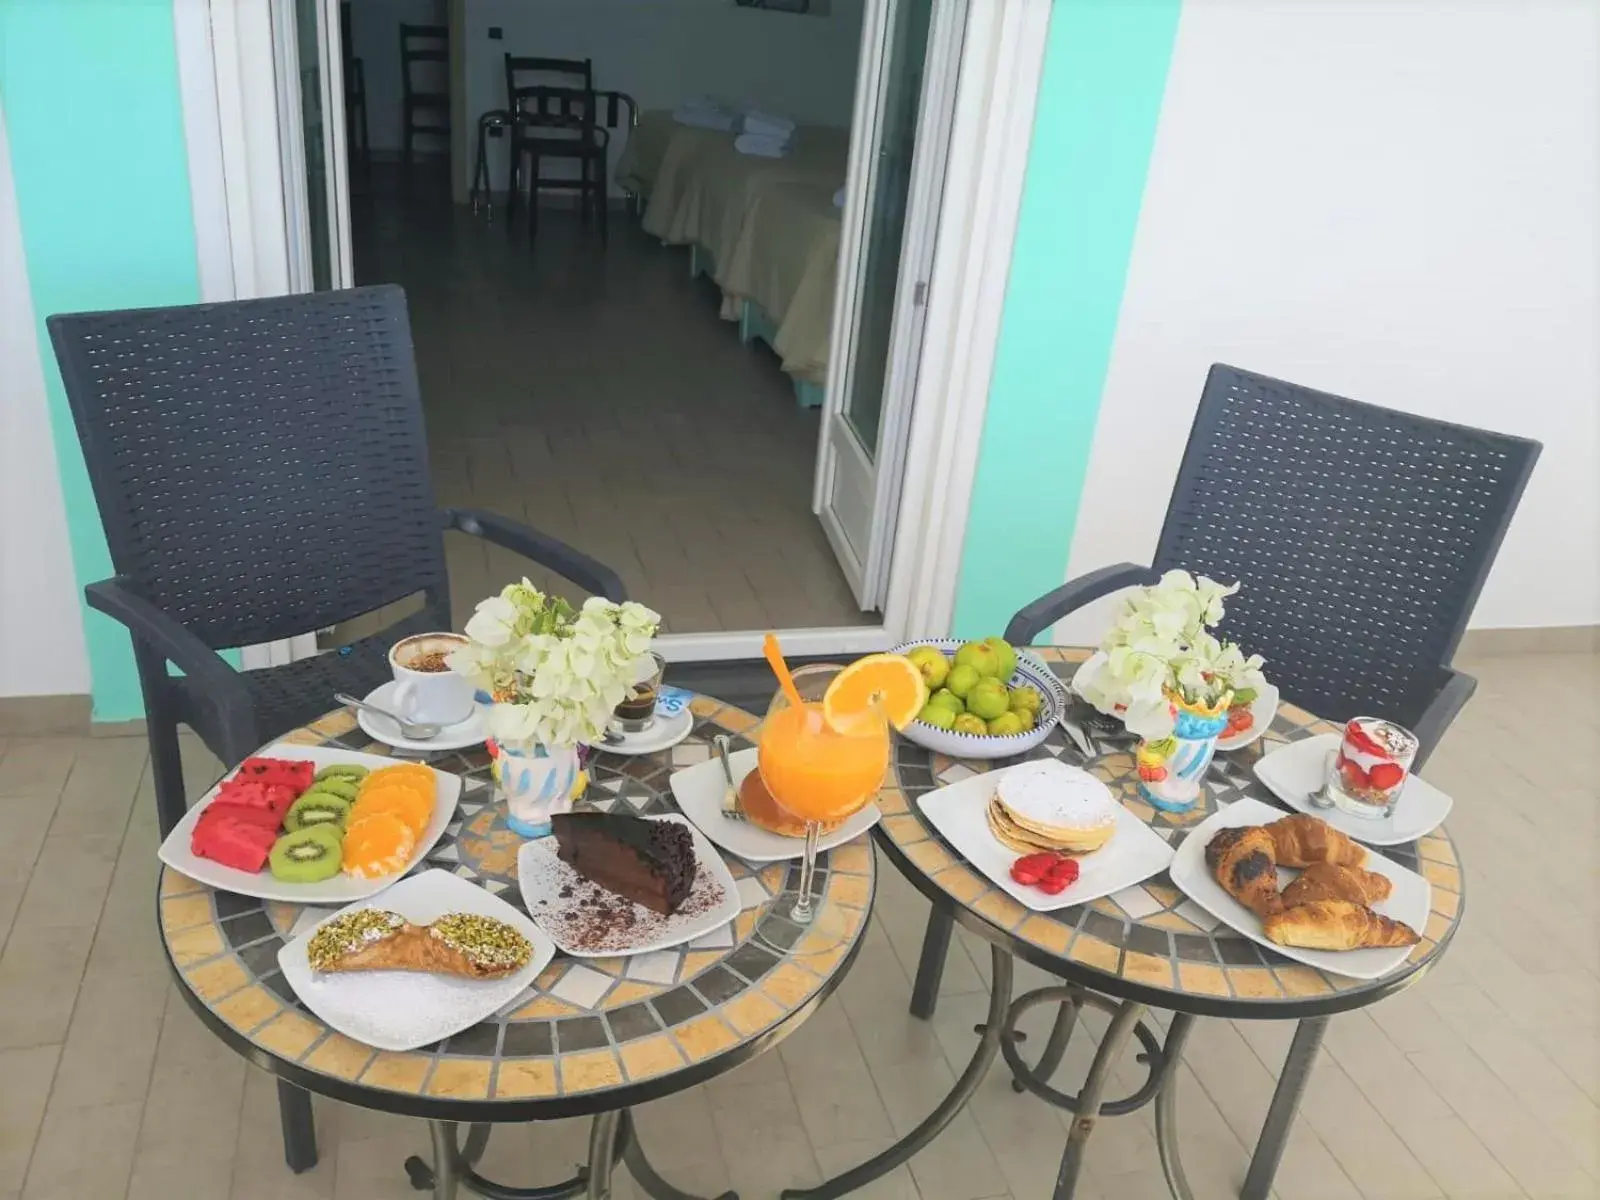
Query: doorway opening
{"points": [[700, 372]]}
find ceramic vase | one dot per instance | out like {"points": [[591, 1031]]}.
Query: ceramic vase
{"points": [[1171, 768], [536, 782]]}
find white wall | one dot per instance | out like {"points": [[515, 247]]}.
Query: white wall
{"points": [[664, 51], [39, 601], [375, 39], [1394, 200]]}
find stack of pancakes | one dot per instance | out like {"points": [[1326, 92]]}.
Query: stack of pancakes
{"points": [[1049, 806]]}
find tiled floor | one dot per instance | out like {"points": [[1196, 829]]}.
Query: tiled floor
{"points": [[596, 394], [1481, 1081]]}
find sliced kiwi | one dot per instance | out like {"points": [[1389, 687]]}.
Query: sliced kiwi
{"points": [[317, 807], [354, 772], [306, 855], [337, 785]]}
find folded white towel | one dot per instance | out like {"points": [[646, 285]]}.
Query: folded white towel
{"points": [[705, 118], [838, 198], [761, 145], [758, 122]]}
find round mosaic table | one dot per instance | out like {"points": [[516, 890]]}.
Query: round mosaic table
{"points": [[1147, 946], [590, 1036]]}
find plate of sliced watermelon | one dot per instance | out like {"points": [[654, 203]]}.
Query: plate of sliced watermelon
{"points": [[313, 825]]}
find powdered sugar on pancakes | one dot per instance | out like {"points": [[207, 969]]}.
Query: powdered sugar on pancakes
{"points": [[1048, 795]]}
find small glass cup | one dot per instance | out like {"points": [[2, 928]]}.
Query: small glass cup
{"points": [[636, 713], [1367, 773]]}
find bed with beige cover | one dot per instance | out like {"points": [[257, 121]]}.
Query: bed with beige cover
{"points": [[765, 228]]}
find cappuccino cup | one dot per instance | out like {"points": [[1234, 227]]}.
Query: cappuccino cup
{"points": [[429, 692]]}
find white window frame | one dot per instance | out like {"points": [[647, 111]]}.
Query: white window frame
{"points": [[231, 117]]}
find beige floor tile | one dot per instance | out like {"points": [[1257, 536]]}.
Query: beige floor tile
{"points": [[25, 1078], [111, 1043], [65, 1168], [38, 766], [844, 1156], [39, 975], [182, 1180]]}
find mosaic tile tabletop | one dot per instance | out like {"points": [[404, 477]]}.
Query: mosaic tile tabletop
{"points": [[585, 1028], [1152, 935]]}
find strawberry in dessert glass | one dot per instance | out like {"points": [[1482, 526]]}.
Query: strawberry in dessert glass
{"points": [[1369, 770]]}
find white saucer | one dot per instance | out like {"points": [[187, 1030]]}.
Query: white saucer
{"points": [[459, 736], [663, 734], [1297, 770], [698, 790]]}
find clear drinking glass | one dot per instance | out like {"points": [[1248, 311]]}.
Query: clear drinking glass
{"points": [[819, 774], [636, 713], [1368, 771]]}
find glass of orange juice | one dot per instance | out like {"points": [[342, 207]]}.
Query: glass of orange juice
{"points": [[820, 773]]}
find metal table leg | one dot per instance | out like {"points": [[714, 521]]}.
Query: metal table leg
{"points": [[643, 1173], [930, 966], [1055, 1048], [602, 1142], [445, 1159], [299, 1129], [1285, 1104], [991, 1031], [1094, 1086], [1167, 1108]]}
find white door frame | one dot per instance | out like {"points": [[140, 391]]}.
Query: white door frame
{"points": [[1002, 60]]}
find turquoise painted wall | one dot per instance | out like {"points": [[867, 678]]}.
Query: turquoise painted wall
{"points": [[1104, 76], [94, 118]]}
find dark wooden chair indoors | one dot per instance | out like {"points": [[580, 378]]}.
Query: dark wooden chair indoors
{"points": [[555, 116], [425, 102]]}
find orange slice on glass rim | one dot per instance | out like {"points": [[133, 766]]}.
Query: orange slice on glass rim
{"points": [[403, 800], [376, 846], [889, 683]]}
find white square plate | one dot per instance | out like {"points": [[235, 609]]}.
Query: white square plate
{"points": [[1134, 853], [1408, 902], [542, 876], [341, 889], [1293, 772], [698, 790], [402, 1010]]}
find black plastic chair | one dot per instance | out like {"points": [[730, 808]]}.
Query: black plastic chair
{"points": [[1362, 537], [261, 471]]}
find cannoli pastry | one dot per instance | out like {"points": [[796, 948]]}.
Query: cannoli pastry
{"points": [[463, 944]]}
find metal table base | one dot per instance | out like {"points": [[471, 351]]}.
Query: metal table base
{"points": [[612, 1140]]}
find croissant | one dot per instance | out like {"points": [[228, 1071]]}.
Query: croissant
{"points": [[1328, 881], [1301, 840], [1335, 925], [1242, 859], [463, 944]]}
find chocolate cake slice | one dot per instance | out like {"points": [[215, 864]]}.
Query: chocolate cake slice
{"points": [[648, 862]]}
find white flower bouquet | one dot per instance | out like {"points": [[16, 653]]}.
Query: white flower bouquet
{"points": [[1158, 652], [555, 673]]}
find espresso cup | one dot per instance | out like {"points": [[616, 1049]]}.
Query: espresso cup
{"points": [[428, 693]]}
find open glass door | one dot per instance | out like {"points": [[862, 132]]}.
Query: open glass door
{"points": [[309, 49], [900, 131]]}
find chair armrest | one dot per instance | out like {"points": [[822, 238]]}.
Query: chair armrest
{"points": [[588, 573], [1035, 618], [1452, 696], [162, 633]]}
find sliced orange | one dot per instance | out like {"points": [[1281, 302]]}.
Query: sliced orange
{"points": [[398, 799], [413, 773], [889, 683], [376, 846]]}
